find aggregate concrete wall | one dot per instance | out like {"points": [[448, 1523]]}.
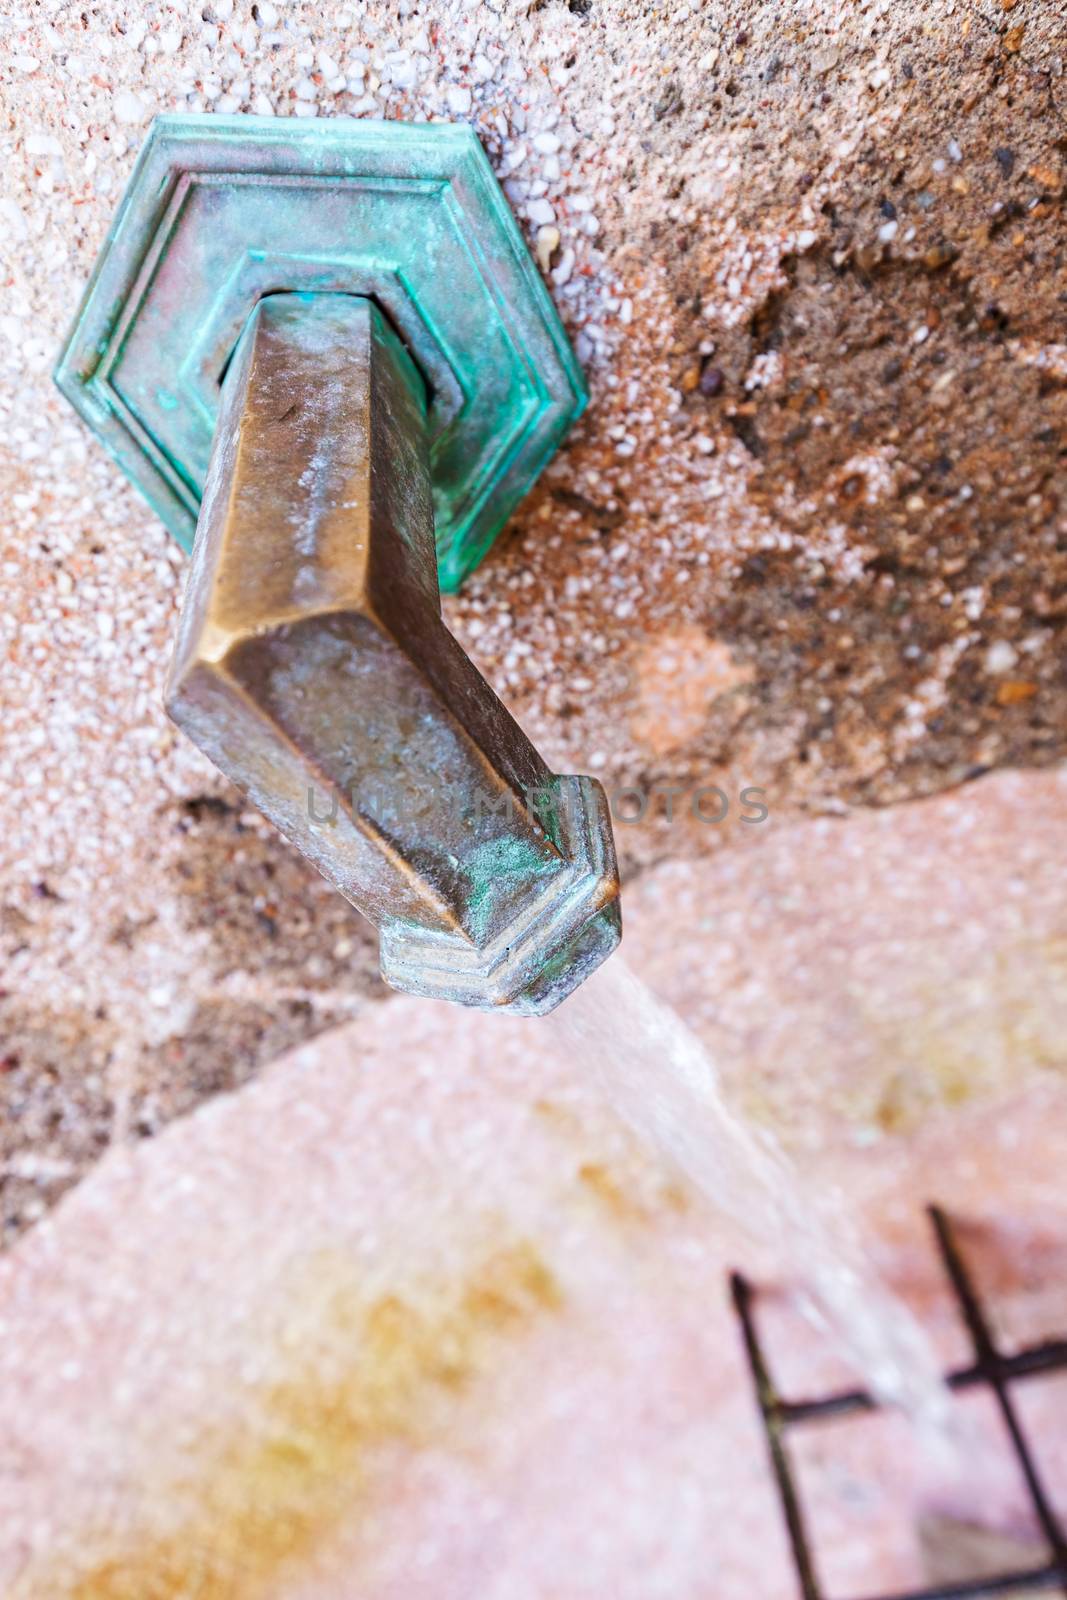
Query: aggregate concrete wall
{"points": [[810, 536]]}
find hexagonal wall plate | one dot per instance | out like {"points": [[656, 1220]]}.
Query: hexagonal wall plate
{"points": [[223, 210]]}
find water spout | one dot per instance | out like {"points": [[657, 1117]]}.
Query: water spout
{"points": [[314, 669]]}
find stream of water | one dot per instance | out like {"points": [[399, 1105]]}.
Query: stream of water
{"points": [[663, 1082]]}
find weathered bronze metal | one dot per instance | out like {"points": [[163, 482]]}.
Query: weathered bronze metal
{"points": [[314, 669]]}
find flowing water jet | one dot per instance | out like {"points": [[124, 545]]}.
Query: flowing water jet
{"points": [[664, 1083]]}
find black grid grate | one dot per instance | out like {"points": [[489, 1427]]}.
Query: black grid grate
{"points": [[989, 1368]]}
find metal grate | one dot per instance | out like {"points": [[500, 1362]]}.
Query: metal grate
{"points": [[989, 1368]]}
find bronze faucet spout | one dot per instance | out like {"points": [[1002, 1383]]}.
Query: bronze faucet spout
{"points": [[313, 667]]}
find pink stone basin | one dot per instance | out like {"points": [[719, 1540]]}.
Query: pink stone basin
{"points": [[414, 1317]]}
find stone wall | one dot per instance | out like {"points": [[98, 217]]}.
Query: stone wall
{"points": [[809, 537]]}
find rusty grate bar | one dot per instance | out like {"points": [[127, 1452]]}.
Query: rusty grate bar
{"points": [[988, 1360], [990, 1368]]}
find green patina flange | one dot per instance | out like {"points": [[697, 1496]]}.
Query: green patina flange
{"points": [[223, 210]]}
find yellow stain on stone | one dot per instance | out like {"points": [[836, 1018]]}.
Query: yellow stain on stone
{"points": [[967, 1038], [603, 1183], [628, 1203], [633, 1187], [257, 1506]]}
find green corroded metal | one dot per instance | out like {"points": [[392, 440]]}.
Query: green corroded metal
{"points": [[222, 211]]}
